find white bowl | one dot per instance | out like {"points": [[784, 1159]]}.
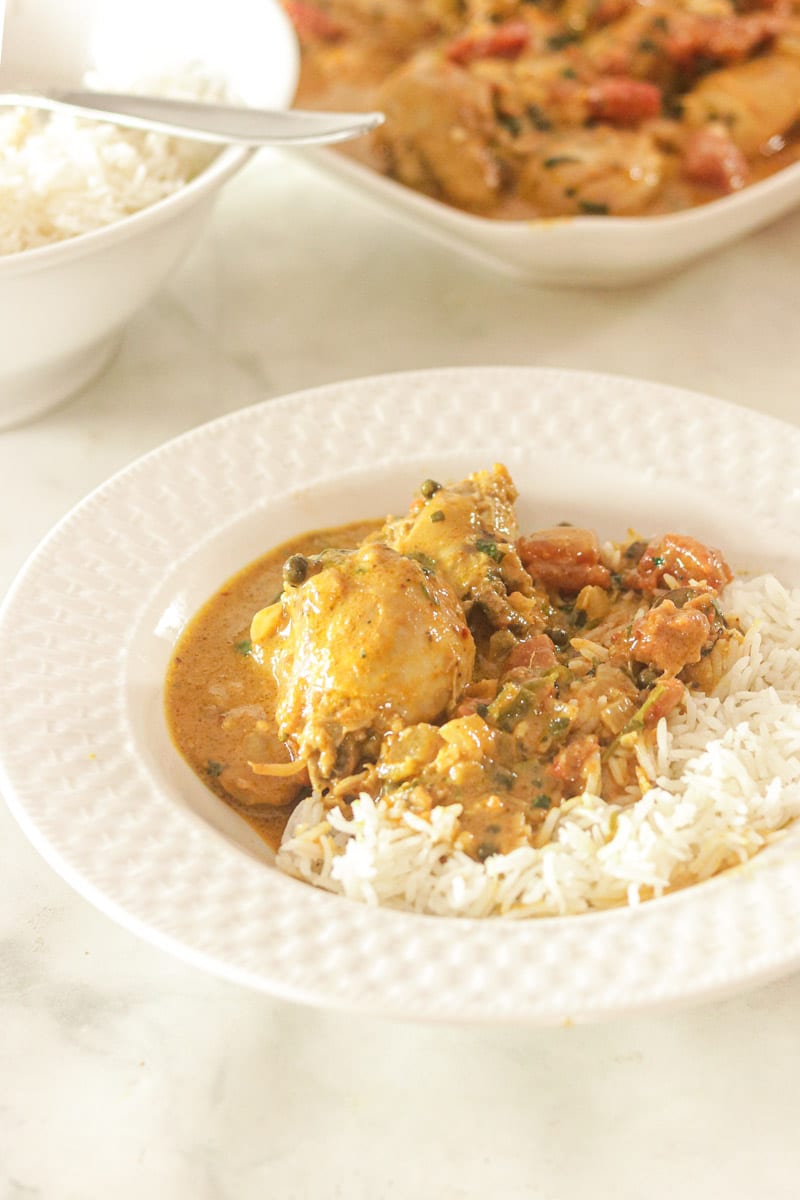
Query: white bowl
{"points": [[579, 251], [89, 770], [64, 305]]}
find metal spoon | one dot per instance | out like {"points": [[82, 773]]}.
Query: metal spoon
{"points": [[201, 121]]}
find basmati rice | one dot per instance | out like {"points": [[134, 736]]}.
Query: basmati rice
{"points": [[721, 781], [61, 177]]}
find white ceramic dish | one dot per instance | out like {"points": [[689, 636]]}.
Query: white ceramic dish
{"points": [[64, 305], [87, 630], [580, 251]]}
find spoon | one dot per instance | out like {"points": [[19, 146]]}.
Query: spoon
{"points": [[201, 121]]}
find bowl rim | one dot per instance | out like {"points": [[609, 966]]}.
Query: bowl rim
{"points": [[230, 160], [300, 942], [696, 214]]}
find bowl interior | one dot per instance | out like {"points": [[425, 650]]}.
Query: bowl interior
{"points": [[607, 499], [249, 43]]}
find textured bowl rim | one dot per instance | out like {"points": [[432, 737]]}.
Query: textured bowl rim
{"points": [[246, 923]]}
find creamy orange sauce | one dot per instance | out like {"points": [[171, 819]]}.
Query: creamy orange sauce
{"points": [[216, 689], [459, 667], [520, 111]]}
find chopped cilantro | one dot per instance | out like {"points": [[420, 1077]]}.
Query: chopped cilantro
{"points": [[486, 546], [542, 801], [244, 647], [558, 160], [538, 119], [559, 40], [512, 124], [214, 769], [425, 561]]}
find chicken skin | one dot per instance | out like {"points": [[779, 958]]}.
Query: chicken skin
{"points": [[369, 641], [467, 530]]}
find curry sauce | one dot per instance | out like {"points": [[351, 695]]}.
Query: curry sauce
{"points": [[444, 659], [220, 701]]}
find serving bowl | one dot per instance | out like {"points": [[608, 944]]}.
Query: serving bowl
{"points": [[65, 304], [583, 251], [88, 768]]}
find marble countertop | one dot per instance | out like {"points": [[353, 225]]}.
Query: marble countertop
{"points": [[125, 1073]]}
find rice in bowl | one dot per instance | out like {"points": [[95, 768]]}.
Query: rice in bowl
{"points": [[62, 176], [440, 714]]}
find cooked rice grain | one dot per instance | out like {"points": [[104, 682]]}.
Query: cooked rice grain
{"points": [[61, 176]]}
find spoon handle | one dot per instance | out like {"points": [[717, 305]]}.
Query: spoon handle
{"points": [[206, 122]]}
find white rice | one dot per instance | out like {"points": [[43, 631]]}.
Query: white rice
{"points": [[722, 780], [60, 176]]}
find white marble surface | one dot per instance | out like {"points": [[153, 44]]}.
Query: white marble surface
{"points": [[125, 1073]]}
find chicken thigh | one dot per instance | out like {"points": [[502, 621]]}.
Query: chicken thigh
{"points": [[370, 640]]}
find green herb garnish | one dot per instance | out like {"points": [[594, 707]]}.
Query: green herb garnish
{"points": [[512, 124], [244, 647], [558, 160], [486, 546], [538, 119], [214, 769], [425, 561], [559, 40], [592, 209]]}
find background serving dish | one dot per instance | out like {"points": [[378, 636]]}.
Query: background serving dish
{"points": [[65, 304], [88, 768], [580, 251]]}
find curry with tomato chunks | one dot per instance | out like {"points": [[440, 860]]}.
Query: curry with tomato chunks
{"points": [[444, 658], [513, 109]]}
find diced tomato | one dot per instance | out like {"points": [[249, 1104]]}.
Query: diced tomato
{"points": [[712, 158], [500, 41], [606, 11], [623, 101], [538, 653], [313, 23], [670, 638], [564, 557], [693, 36], [670, 694], [572, 765], [684, 558]]}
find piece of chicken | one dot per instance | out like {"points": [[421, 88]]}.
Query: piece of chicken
{"points": [[468, 531], [754, 101], [438, 132], [596, 171], [369, 641]]}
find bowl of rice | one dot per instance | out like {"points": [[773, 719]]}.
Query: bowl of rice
{"points": [[94, 217]]}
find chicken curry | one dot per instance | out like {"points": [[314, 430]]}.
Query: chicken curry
{"points": [[443, 657], [520, 109]]}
